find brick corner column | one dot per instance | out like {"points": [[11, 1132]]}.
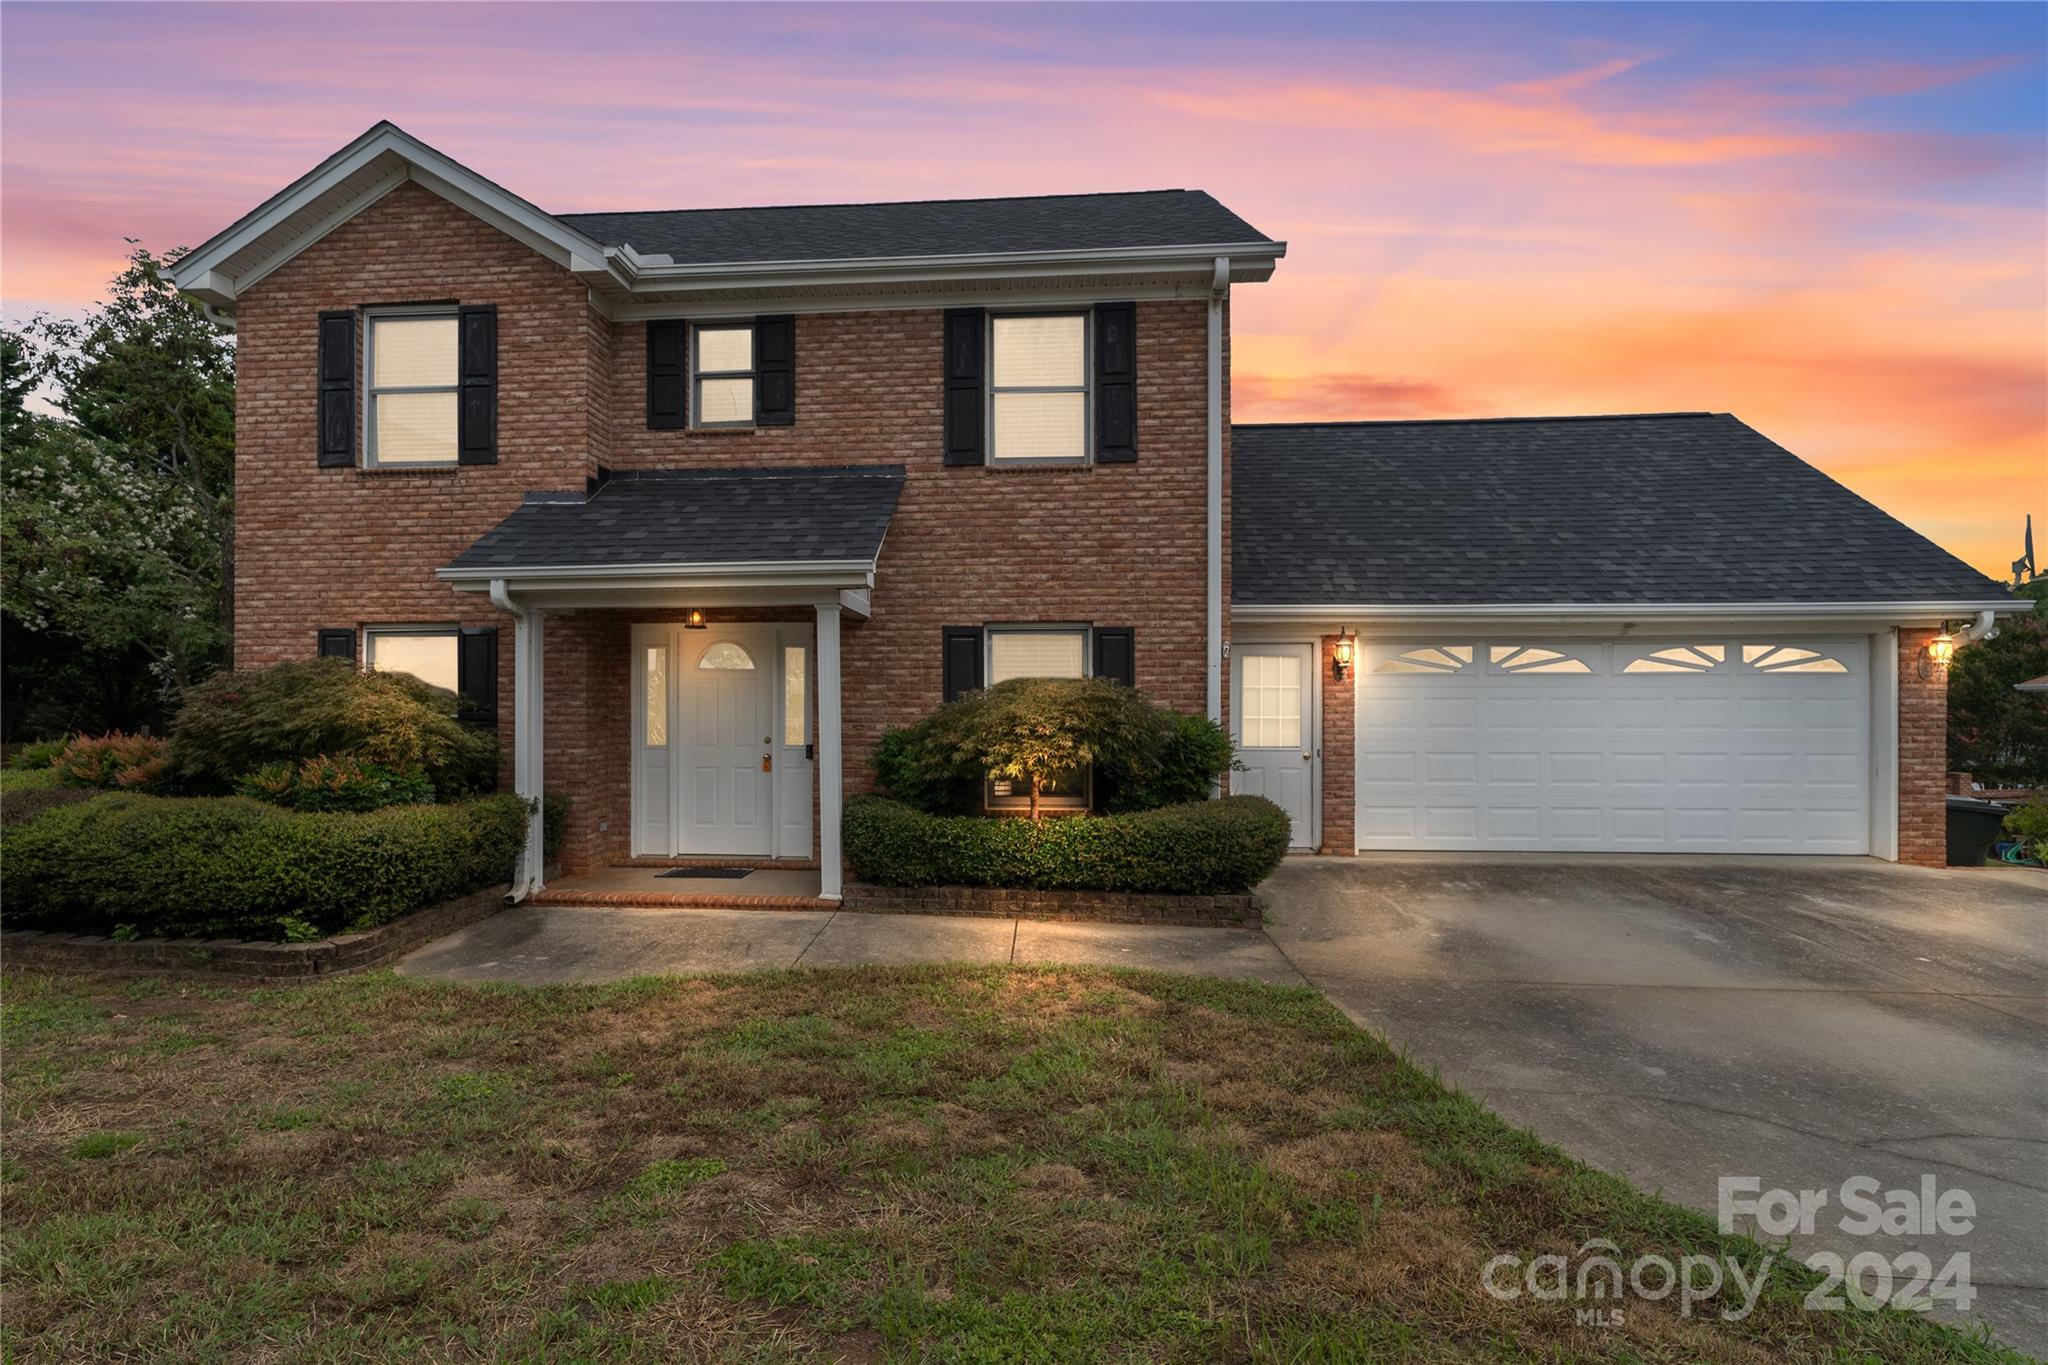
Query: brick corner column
{"points": [[1340, 829], [1923, 755]]}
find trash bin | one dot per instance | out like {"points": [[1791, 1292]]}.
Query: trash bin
{"points": [[1973, 826]]}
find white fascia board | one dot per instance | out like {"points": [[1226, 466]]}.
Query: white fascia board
{"points": [[643, 274], [1609, 615], [1052, 293], [826, 577], [440, 173]]}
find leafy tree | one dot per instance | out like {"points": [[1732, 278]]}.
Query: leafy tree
{"points": [[1997, 733]]}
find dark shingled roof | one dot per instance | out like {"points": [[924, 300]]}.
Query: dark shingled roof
{"points": [[699, 516], [930, 227], [1690, 507]]}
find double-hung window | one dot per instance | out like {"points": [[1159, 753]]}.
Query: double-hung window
{"points": [[1038, 388], [413, 403], [429, 653], [722, 366], [1033, 652]]}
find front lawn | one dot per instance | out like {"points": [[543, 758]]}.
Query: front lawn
{"points": [[901, 1164]]}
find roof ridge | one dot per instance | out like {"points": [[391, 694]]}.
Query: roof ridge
{"points": [[1477, 421], [877, 203]]}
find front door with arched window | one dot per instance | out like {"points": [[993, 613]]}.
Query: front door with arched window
{"points": [[721, 741]]}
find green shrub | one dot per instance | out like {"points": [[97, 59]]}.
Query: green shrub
{"points": [[26, 779], [2029, 824], [231, 867], [1143, 754], [335, 783], [134, 762], [1201, 847], [234, 723], [37, 754]]}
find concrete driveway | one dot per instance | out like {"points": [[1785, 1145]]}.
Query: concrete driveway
{"points": [[1800, 1021]]}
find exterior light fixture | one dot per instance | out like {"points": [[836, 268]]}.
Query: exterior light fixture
{"points": [[1343, 654], [694, 620], [1940, 650]]}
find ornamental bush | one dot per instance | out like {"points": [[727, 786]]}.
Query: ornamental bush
{"points": [[36, 754], [132, 762], [234, 723], [1032, 729], [343, 783], [1196, 848], [229, 867]]}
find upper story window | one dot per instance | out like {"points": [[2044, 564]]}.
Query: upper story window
{"points": [[722, 365], [1038, 387], [413, 404]]}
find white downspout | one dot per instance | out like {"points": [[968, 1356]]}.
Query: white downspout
{"points": [[1219, 290], [526, 738], [1986, 628]]}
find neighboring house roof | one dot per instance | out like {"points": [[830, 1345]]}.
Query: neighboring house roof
{"points": [[1160, 238], [1663, 508], [676, 518], [926, 227]]}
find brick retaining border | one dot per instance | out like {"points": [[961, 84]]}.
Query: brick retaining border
{"points": [[249, 961], [1108, 907]]}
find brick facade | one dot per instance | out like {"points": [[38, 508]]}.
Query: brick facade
{"points": [[1115, 545], [1923, 754], [1340, 754]]}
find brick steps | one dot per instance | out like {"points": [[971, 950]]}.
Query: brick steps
{"points": [[679, 900]]}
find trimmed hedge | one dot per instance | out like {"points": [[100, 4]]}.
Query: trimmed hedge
{"points": [[230, 867], [1197, 848]]}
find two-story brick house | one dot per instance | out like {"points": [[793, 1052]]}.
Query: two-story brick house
{"points": [[700, 502]]}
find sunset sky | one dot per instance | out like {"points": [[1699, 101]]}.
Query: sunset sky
{"points": [[1831, 220]]}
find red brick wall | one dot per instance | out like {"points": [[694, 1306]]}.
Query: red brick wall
{"points": [[1340, 755], [1107, 545], [1923, 755], [317, 548]]}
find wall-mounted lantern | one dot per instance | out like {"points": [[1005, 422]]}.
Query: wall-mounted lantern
{"points": [[1343, 655], [1940, 650]]}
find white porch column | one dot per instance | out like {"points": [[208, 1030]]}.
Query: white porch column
{"points": [[528, 679], [831, 781]]}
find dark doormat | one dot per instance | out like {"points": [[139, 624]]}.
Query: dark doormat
{"points": [[726, 872]]}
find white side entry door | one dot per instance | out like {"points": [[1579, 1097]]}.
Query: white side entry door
{"points": [[1273, 721]]}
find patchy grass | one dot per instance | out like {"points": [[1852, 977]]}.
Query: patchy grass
{"points": [[870, 1165]]}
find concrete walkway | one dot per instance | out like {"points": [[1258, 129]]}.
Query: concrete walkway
{"points": [[548, 945]]}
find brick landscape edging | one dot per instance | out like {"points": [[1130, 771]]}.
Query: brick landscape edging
{"points": [[254, 961], [1109, 907]]}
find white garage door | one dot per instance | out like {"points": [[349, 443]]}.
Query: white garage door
{"points": [[1713, 744]]}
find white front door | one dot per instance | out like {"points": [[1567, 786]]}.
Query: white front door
{"points": [[710, 734], [1272, 718]]}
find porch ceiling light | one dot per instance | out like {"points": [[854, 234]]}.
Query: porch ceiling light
{"points": [[1343, 655], [694, 620]]}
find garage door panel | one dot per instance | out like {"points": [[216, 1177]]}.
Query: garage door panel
{"points": [[1720, 754]]}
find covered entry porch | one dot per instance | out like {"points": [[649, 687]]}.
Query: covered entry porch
{"points": [[677, 661]]}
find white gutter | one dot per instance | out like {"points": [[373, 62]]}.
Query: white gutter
{"points": [[1219, 290], [1620, 611], [839, 573], [637, 271], [527, 660]]}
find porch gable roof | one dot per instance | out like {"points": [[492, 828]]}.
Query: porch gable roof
{"points": [[678, 521]]}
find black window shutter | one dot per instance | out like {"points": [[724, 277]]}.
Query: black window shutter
{"points": [[476, 673], [775, 371], [478, 441], [1116, 383], [339, 643], [962, 661], [668, 380], [1116, 650], [337, 389], [966, 353]]}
